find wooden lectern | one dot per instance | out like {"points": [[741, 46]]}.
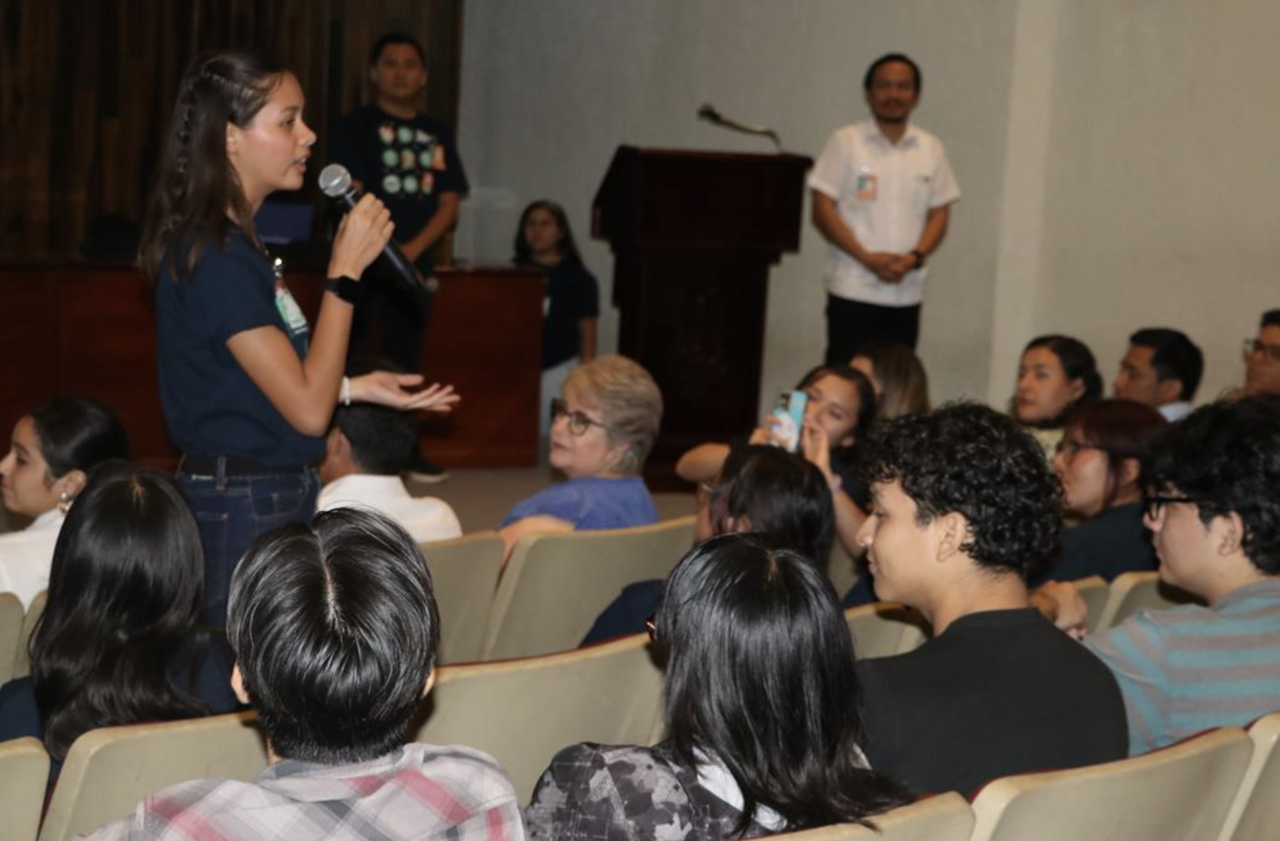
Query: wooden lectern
{"points": [[693, 236]]}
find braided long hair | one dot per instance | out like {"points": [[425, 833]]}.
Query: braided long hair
{"points": [[197, 188]]}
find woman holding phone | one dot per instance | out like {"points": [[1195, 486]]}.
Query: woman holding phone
{"points": [[247, 386]]}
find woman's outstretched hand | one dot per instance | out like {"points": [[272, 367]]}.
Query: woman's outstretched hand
{"points": [[387, 388]]}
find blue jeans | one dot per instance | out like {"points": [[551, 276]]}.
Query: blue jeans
{"points": [[232, 511]]}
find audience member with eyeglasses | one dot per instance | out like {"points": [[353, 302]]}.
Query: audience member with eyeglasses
{"points": [[1099, 464], [762, 712], [602, 430], [1213, 507], [1262, 357]]}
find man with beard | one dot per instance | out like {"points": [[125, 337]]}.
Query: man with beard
{"points": [[882, 193]]}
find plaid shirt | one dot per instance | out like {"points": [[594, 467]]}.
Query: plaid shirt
{"points": [[420, 792]]}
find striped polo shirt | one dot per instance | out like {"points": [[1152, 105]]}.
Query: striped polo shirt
{"points": [[1192, 668]]}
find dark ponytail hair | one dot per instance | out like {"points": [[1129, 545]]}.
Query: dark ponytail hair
{"points": [[760, 676], [76, 434], [126, 592], [197, 187]]}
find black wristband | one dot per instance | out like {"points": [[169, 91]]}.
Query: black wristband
{"points": [[919, 255], [347, 288]]}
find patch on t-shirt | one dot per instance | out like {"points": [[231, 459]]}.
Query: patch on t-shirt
{"points": [[290, 313], [410, 158]]}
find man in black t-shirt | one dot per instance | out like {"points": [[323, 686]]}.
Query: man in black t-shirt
{"points": [[410, 161], [963, 507]]}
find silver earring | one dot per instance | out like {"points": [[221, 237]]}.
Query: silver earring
{"points": [[64, 502]]}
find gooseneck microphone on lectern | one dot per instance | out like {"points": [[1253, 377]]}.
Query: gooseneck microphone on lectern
{"points": [[335, 182], [711, 115]]}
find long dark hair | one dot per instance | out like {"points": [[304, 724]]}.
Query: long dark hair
{"points": [[197, 186], [568, 247], [125, 594], [77, 433], [760, 676], [862, 384], [781, 494]]}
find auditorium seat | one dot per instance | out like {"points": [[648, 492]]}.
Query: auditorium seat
{"points": [[1134, 591], [1094, 591], [107, 771], [11, 637], [21, 662], [24, 772], [555, 585], [882, 629], [1178, 793], [1255, 812], [464, 572], [524, 711], [945, 817]]}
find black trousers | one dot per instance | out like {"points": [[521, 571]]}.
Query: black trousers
{"points": [[851, 324]]}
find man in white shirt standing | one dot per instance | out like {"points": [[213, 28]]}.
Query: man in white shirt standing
{"points": [[365, 451], [882, 194]]}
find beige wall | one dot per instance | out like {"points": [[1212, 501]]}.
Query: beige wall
{"points": [[1110, 154]]}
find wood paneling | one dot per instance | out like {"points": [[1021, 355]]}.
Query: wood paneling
{"points": [[87, 91]]}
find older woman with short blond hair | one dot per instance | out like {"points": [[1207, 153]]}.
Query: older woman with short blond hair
{"points": [[603, 427]]}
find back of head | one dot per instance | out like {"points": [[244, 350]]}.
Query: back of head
{"points": [[781, 495], [1174, 357], [381, 438], [1226, 458], [78, 434], [904, 383], [760, 675], [196, 188], [335, 629], [126, 591], [970, 459], [629, 400]]}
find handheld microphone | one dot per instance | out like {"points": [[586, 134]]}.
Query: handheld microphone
{"points": [[335, 182]]}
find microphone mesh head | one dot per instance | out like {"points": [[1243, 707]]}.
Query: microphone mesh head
{"points": [[334, 180]]}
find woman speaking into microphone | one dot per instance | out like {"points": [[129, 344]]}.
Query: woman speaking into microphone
{"points": [[247, 386]]}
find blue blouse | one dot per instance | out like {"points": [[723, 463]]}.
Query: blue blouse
{"points": [[591, 503]]}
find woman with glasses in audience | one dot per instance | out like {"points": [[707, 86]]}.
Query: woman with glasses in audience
{"points": [[898, 377], [602, 430], [1056, 374], [52, 450], [1099, 461], [762, 714], [121, 639]]}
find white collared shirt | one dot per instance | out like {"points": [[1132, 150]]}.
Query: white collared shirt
{"points": [[883, 192], [27, 555], [425, 518], [1176, 411]]}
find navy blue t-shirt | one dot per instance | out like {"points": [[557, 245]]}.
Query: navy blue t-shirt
{"points": [[406, 163], [572, 294], [211, 406]]}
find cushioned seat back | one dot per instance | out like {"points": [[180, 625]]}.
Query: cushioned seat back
{"points": [[524, 711], [1255, 812], [1179, 793], [557, 584], [24, 772], [1134, 591], [10, 634], [21, 662], [946, 817], [882, 629], [108, 771], [1094, 591], [464, 572]]}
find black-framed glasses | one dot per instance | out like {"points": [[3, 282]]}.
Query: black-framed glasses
{"points": [[579, 422], [1152, 503], [1068, 448], [1252, 346]]}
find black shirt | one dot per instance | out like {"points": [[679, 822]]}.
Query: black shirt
{"points": [[1000, 692], [571, 295]]}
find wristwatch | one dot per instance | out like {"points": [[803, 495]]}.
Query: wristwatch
{"points": [[919, 255], [347, 288]]}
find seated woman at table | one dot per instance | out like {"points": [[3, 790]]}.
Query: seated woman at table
{"points": [[762, 714], [120, 641], [603, 428], [52, 450], [1099, 461]]}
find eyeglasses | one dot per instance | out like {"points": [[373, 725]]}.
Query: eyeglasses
{"points": [[1153, 503], [1255, 346], [579, 422], [1068, 448]]}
